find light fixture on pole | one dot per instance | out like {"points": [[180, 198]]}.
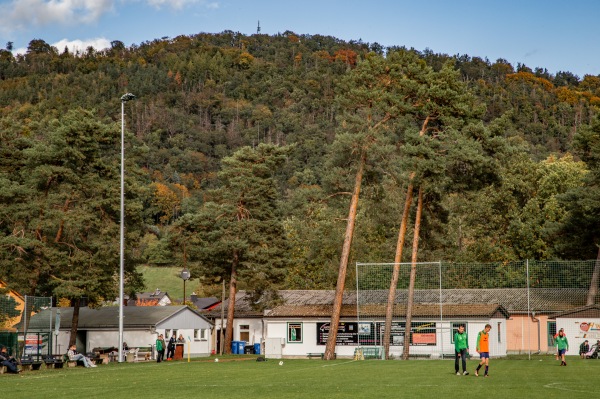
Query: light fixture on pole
{"points": [[124, 99], [185, 275]]}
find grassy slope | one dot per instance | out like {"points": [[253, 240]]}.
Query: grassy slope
{"points": [[167, 279], [311, 379]]}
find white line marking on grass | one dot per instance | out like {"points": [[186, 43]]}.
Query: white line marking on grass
{"points": [[339, 364], [553, 386]]}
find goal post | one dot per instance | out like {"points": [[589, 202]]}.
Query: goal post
{"points": [[520, 299], [372, 289]]}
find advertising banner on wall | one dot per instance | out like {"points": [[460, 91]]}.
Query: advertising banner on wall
{"points": [[347, 333]]}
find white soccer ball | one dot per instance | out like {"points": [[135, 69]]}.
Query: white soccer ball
{"points": [[281, 363], [217, 360]]}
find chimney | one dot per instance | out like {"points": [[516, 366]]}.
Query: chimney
{"points": [[193, 297]]}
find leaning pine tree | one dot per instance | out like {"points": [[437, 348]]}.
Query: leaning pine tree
{"points": [[370, 107]]}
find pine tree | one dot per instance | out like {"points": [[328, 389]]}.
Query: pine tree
{"points": [[238, 234]]}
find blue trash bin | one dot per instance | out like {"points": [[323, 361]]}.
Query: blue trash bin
{"points": [[235, 346], [241, 345], [257, 349]]}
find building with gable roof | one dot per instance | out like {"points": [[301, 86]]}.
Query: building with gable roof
{"points": [[298, 324], [521, 319], [99, 328]]}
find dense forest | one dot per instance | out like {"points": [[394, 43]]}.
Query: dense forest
{"points": [[264, 160]]}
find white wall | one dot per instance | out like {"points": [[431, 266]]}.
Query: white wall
{"points": [[196, 346], [575, 334], [276, 328]]}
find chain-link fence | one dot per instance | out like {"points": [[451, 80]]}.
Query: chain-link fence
{"points": [[519, 298], [38, 343]]}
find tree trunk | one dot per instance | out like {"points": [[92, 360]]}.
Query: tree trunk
{"points": [[231, 307], [413, 275], [389, 310], [593, 291], [339, 289], [74, 323]]}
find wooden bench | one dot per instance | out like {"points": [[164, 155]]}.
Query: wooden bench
{"points": [[71, 363], [419, 355], [27, 363], [368, 352], [310, 355], [3, 369], [53, 361], [451, 355], [143, 353]]}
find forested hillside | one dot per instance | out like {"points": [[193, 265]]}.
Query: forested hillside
{"points": [[244, 154]]}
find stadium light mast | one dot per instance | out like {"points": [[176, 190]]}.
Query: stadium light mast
{"points": [[124, 98]]}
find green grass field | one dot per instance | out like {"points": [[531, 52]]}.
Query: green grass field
{"points": [[242, 377], [167, 280]]}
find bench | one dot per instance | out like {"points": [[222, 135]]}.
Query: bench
{"points": [[3, 369], [71, 363], [143, 353], [310, 355], [53, 361], [373, 352], [419, 355], [27, 363], [451, 355]]}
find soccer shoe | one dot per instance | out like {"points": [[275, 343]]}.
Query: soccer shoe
{"points": [[458, 373], [476, 373], [465, 373], [486, 375]]}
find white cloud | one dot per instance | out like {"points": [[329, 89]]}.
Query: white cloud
{"points": [[98, 44], [81, 45], [21, 14], [179, 4]]}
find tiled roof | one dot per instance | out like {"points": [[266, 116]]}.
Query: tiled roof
{"points": [[106, 317], [591, 311], [419, 310], [513, 300]]}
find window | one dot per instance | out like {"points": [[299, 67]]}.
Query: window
{"points": [[294, 333], [245, 332], [499, 335], [551, 332], [200, 335], [455, 329]]}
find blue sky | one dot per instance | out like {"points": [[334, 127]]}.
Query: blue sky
{"points": [[557, 35]]}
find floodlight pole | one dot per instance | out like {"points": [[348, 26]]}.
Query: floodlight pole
{"points": [[124, 99]]}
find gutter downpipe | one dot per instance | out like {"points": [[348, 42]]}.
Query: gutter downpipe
{"points": [[538, 329]]}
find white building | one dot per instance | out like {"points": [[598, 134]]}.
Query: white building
{"points": [[299, 325], [99, 328], [580, 324]]}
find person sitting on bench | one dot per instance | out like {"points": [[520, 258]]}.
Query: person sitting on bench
{"points": [[74, 357], [8, 361]]}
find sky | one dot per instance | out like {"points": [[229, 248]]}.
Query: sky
{"points": [[557, 35]]}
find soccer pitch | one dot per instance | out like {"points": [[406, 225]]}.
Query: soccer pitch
{"points": [[242, 377]]}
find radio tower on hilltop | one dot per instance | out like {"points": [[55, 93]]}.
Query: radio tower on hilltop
{"points": [[258, 28]]}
